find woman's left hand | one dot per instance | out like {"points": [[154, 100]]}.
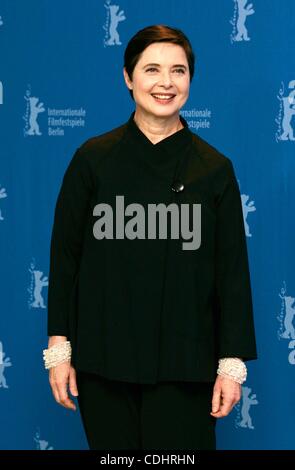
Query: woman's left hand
{"points": [[226, 393]]}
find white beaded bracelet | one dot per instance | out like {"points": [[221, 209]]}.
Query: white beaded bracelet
{"points": [[57, 354], [233, 368]]}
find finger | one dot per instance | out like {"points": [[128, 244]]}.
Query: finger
{"points": [[58, 378], [64, 398], [225, 409], [73, 382], [216, 400]]}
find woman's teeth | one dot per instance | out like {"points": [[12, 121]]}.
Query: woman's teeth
{"points": [[163, 97]]}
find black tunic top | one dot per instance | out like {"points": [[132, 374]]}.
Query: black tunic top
{"points": [[144, 310]]}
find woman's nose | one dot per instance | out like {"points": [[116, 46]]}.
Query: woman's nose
{"points": [[166, 79]]}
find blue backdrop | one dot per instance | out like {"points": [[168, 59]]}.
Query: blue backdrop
{"points": [[61, 82]]}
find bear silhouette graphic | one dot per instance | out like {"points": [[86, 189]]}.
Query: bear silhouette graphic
{"points": [[288, 319], [3, 195], [35, 109], [248, 401], [114, 38], [41, 444], [248, 206], [39, 284], [289, 112], [3, 364], [243, 12]]}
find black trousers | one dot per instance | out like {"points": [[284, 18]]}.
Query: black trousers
{"points": [[162, 416]]}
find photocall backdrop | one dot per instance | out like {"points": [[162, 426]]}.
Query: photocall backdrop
{"points": [[61, 82]]}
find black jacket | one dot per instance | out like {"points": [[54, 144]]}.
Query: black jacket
{"points": [[145, 310]]}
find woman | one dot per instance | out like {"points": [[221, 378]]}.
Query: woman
{"points": [[149, 330]]}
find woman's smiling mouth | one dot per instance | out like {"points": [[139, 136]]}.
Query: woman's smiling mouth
{"points": [[163, 98]]}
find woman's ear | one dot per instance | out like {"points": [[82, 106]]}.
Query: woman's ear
{"points": [[127, 79]]}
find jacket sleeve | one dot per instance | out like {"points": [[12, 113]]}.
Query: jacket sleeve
{"points": [[70, 215], [235, 332]]}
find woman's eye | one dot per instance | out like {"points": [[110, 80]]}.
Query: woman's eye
{"points": [[176, 70]]}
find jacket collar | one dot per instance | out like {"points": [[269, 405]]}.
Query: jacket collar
{"points": [[171, 144]]}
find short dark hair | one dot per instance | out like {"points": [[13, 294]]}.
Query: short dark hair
{"points": [[156, 33]]}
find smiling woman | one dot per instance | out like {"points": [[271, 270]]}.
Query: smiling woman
{"points": [[158, 69], [157, 334]]}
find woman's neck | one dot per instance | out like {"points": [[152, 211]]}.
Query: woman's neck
{"points": [[157, 128]]}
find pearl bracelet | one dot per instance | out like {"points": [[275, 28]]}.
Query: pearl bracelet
{"points": [[57, 354], [232, 368]]}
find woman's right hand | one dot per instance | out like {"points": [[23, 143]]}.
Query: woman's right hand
{"points": [[60, 377]]}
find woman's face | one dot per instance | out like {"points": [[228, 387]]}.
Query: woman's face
{"points": [[161, 69]]}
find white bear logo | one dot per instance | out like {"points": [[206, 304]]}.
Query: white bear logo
{"points": [[241, 12], [41, 444], [3, 364], [248, 206], [39, 284], [35, 109], [289, 331], [114, 18], [244, 419], [2, 196], [36, 286], [287, 111]]}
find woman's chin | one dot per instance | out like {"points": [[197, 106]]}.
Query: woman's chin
{"points": [[159, 111]]}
